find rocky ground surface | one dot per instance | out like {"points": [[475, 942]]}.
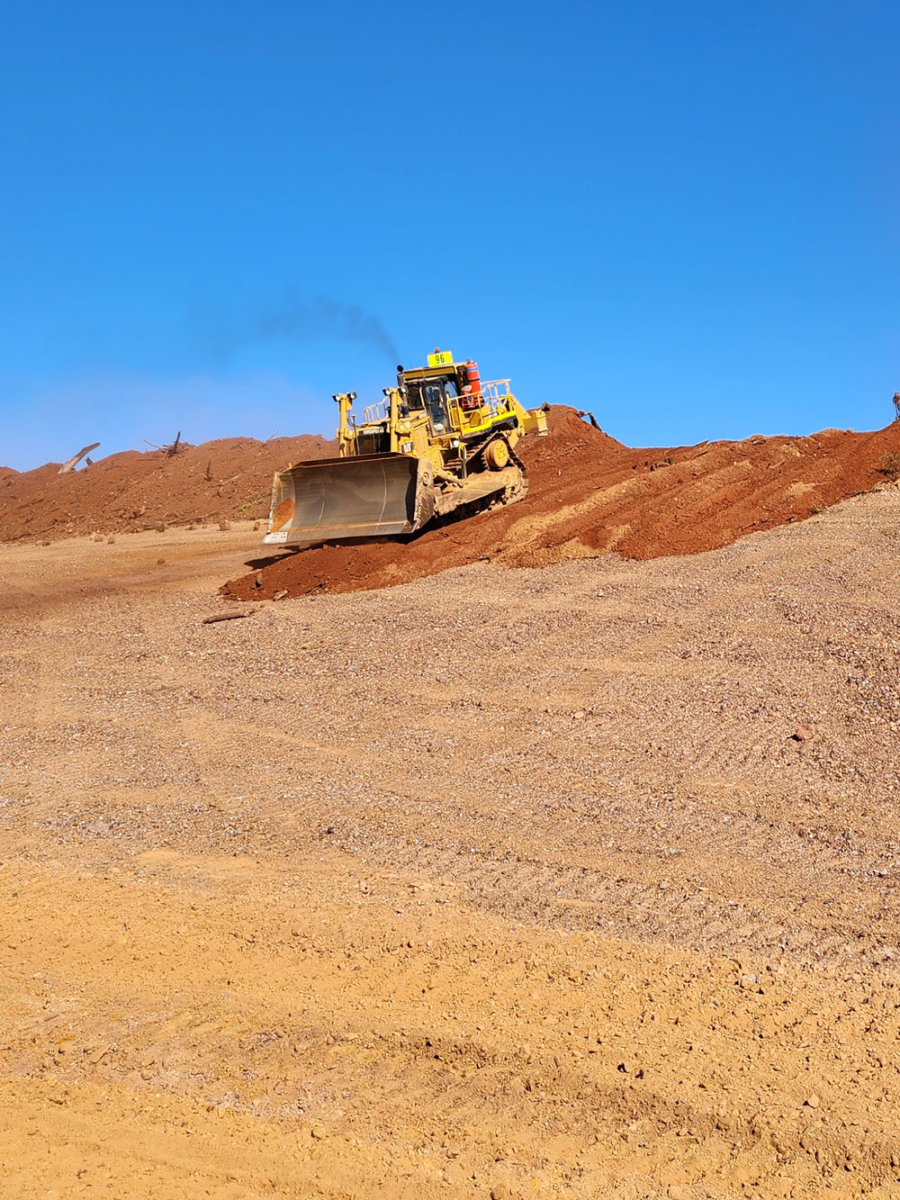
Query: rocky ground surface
{"points": [[577, 881]]}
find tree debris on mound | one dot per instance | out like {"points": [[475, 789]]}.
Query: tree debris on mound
{"points": [[71, 463], [589, 495]]}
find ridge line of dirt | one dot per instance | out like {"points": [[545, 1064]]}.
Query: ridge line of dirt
{"points": [[226, 479], [589, 495]]}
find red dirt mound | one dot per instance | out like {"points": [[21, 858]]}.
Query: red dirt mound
{"points": [[228, 478], [588, 495]]}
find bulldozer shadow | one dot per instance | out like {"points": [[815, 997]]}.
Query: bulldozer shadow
{"points": [[268, 560]]}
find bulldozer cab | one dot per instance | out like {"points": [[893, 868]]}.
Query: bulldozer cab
{"points": [[436, 397], [436, 404]]}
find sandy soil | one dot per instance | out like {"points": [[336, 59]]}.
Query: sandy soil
{"points": [[570, 882]]}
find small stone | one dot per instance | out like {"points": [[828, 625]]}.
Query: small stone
{"points": [[677, 1192], [500, 1192], [319, 1131], [255, 526], [579, 716], [110, 540], [161, 527], [160, 561], [224, 526], [281, 595], [812, 1101], [804, 731]]}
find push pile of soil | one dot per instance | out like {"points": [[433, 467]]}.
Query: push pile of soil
{"points": [[589, 495], [230, 478]]}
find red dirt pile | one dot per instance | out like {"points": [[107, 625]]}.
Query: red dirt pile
{"points": [[589, 495], [226, 479]]}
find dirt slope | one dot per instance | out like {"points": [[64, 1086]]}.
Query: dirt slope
{"points": [[226, 479], [498, 884], [588, 495]]}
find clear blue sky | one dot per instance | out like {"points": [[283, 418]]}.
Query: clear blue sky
{"points": [[685, 216]]}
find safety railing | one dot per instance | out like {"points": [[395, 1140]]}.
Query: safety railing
{"points": [[494, 391], [495, 394], [375, 412]]}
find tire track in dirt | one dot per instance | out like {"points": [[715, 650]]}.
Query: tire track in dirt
{"points": [[324, 1042]]}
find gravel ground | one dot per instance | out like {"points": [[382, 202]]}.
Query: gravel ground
{"points": [[641, 805]]}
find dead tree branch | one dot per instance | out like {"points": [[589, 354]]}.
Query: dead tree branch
{"points": [[73, 462]]}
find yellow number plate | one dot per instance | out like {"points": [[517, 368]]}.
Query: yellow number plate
{"points": [[441, 358]]}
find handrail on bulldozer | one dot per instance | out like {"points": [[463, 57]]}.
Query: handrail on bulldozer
{"points": [[491, 393], [375, 412], [491, 388]]}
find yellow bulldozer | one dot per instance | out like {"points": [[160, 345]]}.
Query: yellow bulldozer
{"points": [[440, 441]]}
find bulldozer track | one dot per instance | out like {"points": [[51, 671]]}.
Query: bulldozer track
{"points": [[515, 458]]}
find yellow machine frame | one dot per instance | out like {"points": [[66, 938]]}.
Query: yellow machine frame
{"points": [[405, 463]]}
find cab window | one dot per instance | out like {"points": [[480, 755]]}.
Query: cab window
{"points": [[436, 406]]}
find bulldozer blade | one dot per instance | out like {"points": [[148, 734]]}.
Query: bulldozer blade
{"points": [[337, 498]]}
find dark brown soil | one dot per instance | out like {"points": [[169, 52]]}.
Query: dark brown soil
{"points": [[226, 479], [588, 495]]}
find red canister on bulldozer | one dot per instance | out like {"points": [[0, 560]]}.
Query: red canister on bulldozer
{"points": [[472, 395]]}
